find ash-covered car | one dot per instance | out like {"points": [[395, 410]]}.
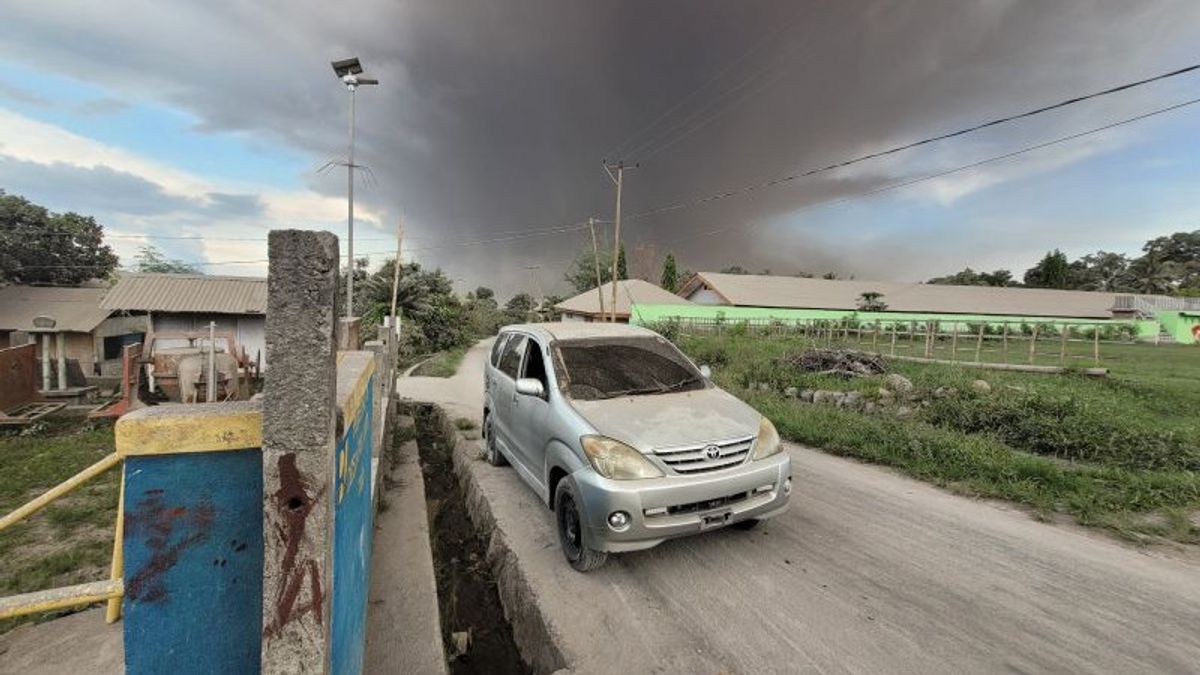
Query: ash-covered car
{"points": [[626, 439]]}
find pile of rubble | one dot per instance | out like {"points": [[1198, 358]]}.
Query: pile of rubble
{"points": [[845, 363]]}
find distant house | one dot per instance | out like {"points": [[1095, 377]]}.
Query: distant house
{"points": [[753, 290], [586, 306], [93, 336], [188, 302]]}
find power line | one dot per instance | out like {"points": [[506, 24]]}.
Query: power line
{"points": [[908, 146], [957, 169]]}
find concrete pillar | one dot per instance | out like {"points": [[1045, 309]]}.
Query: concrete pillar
{"points": [[45, 362], [299, 440], [60, 348]]}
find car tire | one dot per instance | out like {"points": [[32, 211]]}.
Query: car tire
{"points": [[569, 524], [746, 524], [491, 450]]}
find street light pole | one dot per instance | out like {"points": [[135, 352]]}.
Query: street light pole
{"points": [[349, 71], [350, 209]]}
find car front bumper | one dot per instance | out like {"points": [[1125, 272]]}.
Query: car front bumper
{"points": [[677, 506]]}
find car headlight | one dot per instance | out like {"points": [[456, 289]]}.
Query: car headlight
{"points": [[767, 443], [613, 459]]}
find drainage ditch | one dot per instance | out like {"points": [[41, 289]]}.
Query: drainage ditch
{"points": [[477, 636]]}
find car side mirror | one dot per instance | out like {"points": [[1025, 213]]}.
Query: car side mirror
{"points": [[705, 372], [527, 386]]}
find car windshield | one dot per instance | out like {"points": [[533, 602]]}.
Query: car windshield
{"points": [[607, 368]]}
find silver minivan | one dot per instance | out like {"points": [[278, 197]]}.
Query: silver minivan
{"points": [[626, 439]]}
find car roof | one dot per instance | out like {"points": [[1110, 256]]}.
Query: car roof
{"points": [[578, 330]]}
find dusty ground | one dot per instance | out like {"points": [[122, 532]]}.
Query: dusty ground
{"points": [[868, 572]]}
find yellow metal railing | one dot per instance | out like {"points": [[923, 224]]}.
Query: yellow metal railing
{"points": [[111, 590]]}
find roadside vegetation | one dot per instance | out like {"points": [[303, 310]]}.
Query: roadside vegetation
{"points": [[69, 542], [441, 364], [1121, 452]]}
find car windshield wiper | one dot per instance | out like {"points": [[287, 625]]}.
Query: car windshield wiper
{"points": [[682, 383], [635, 391]]}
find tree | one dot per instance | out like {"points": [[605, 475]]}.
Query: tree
{"points": [[1152, 274], [670, 278], [622, 268], [1052, 271], [735, 269], [433, 317], [969, 277], [519, 307], [1100, 271], [871, 301], [830, 276], [151, 260], [582, 272], [40, 247]]}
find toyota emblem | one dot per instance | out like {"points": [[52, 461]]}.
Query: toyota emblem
{"points": [[712, 452]]}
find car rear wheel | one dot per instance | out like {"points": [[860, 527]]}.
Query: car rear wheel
{"points": [[570, 531], [492, 449]]}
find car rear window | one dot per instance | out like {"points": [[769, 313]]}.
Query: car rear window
{"points": [[604, 368]]}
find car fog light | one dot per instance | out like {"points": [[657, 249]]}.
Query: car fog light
{"points": [[618, 520], [787, 486]]}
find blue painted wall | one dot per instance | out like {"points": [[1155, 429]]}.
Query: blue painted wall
{"points": [[352, 536], [193, 563]]}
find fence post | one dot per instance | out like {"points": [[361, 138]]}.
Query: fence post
{"points": [[1033, 343], [979, 343], [1006, 342], [1096, 344], [1062, 350], [299, 439], [893, 339], [954, 344]]}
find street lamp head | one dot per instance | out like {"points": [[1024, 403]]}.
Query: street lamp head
{"points": [[345, 67]]}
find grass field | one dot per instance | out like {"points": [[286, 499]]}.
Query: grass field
{"points": [[70, 541], [441, 364], [1121, 452]]}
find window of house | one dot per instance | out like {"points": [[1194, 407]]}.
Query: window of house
{"points": [[113, 344]]}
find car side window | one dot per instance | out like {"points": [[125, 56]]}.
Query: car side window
{"points": [[535, 365], [510, 359], [498, 347]]}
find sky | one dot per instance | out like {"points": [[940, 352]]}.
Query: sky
{"points": [[197, 127]]}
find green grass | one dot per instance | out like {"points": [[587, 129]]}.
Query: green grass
{"points": [[70, 541], [1121, 452], [442, 364]]}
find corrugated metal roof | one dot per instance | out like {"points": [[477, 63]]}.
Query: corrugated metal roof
{"points": [[754, 290], [188, 293], [73, 309], [641, 292]]}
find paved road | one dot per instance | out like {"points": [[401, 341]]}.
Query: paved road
{"points": [[868, 572]]}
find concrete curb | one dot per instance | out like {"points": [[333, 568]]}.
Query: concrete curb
{"points": [[539, 643]]}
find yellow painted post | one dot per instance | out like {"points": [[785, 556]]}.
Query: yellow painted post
{"points": [[1096, 344], [118, 557], [59, 490]]}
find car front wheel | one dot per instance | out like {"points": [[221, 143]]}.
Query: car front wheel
{"points": [[570, 531]]}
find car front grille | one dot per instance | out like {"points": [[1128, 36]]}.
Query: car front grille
{"points": [[708, 504], [690, 459]]}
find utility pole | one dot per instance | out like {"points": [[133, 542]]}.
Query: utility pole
{"points": [[596, 260], [396, 270], [537, 286], [619, 181]]}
